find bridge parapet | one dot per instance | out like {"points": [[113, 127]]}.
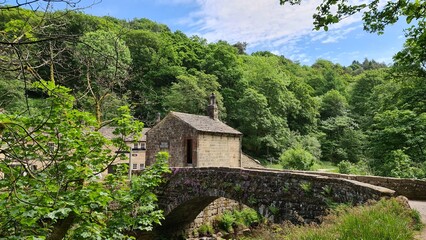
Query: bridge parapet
{"points": [[277, 195], [413, 189]]}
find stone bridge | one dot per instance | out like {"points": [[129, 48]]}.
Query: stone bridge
{"points": [[277, 195]]}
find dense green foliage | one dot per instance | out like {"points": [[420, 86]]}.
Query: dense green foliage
{"points": [[366, 114], [51, 165], [386, 219]]}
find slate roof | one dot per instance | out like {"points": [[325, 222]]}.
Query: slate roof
{"points": [[107, 132], [205, 123]]}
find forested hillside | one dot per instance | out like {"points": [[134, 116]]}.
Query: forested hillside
{"points": [[366, 117]]}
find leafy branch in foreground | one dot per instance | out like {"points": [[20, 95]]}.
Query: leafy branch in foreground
{"points": [[376, 15], [51, 185]]}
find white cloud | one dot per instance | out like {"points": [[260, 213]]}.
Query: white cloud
{"points": [[276, 52], [338, 34], [301, 57], [264, 24], [252, 21]]}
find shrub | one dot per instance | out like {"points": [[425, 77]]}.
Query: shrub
{"points": [[244, 218], [398, 164], [250, 217], [226, 221], [297, 158], [205, 230], [359, 168], [345, 167]]}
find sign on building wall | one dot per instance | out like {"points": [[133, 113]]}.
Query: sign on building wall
{"points": [[164, 145]]}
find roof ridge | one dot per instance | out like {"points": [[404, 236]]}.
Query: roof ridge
{"points": [[205, 123]]}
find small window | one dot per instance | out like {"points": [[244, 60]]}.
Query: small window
{"points": [[135, 145], [143, 146], [142, 166], [134, 154], [135, 166]]}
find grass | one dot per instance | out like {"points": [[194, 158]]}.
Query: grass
{"points": [[325, 167], [320, 165], [274, 166], [386, 219]]}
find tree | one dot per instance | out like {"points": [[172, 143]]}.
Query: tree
{"points": [[12, 95], [105, 62], [24, 32], [303, 118], [266, 91], [413, 56], [191, 93], [146, 24], [341, 140], [333, 104], [264, 133], [64, 196], [32, 39], [241, 46], [310, 143], [155, 66], [362, 94], [326, 76], [375, 16], [397, 130], [222, 61]]}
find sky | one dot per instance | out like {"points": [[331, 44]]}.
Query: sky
{"points": [[264, 25]]}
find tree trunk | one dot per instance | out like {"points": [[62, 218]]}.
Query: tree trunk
{"points": [[61, 227]]}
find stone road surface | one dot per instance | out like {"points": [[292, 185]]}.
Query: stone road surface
{"points": [[421, 207]]}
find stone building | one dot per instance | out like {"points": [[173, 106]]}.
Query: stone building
{"points": [[136, 155], [195, 140]]}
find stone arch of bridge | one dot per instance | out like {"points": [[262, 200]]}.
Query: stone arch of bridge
{"points": [[277, 195]]}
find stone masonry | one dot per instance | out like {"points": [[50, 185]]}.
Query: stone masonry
{"points": [[276, 195], [169, 135], [218, 150], [209, 215], [194, 141], [413, 189]]}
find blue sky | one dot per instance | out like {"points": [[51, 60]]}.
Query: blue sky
{"points": [[264, 25]]}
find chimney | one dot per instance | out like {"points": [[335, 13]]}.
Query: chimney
{"points": [[158, 118], [212, 110]]}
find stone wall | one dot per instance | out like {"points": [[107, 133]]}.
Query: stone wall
{"points": [[208, 149], [276, 195], [413, 189], [218, 150], [174, 133], [209, 215]]}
